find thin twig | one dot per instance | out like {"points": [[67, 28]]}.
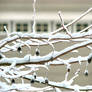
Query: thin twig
{"points": [[6, 31], [57, 84], [34, 16], [62, 22], [85, 29], [74, 21]]}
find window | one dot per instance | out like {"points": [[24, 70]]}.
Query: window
{"points": [[58, 25], [42, 27], [80, 26], [21, 27], [2, 27]]}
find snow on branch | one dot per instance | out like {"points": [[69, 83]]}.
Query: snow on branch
{"points": [[63, 84], [13, 68], [46, 58], [43, 59], [53, 38]]}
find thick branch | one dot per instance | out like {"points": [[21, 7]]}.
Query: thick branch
{"points": [[42, 59]]}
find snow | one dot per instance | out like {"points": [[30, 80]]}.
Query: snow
{"points": [[20, 87], [37, 66], [64, 84], [19, 39], [27, 58], [57, 90], [34, 59], [63, 37], [16, 73], [75, 51]]}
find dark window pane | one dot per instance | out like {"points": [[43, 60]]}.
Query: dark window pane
{"points": [[5, 25], [78, 27], [64, 30], [65, 23], [18, 24], [85, 25], [18, 30], [45, 27], [2, 27], [25, 27], [58, 25], [25, 30], [38, 27], [18, 27], [38, 30], [45, 30], [41, 27]]}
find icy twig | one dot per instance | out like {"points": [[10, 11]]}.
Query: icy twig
{"points": [[8, 35], [62, 22], [37, 38], [22, 42], [36, 66], [74, 21], [86, 28], [89, 47], [34, 16], [66, 76]]}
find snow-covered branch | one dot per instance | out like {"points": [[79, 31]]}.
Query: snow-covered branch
{"points": [[63, 84], [42, 59], [12, 68], [52, 38]]}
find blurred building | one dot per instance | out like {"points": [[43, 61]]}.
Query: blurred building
{"points": [[17, 15]]}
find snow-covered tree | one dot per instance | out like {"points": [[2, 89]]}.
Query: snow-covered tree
{"points": [[12, 68]]}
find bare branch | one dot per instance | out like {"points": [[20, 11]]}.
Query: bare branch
{"points": [[74, 21], [85, 29], [62, 22]]}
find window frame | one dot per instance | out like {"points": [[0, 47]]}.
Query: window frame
{"points": [[22, 22], [5, 22], [44, 22], [82, 22], [58, 21]]}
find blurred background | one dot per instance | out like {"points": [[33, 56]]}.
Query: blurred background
{"points": [[17, 15]]}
